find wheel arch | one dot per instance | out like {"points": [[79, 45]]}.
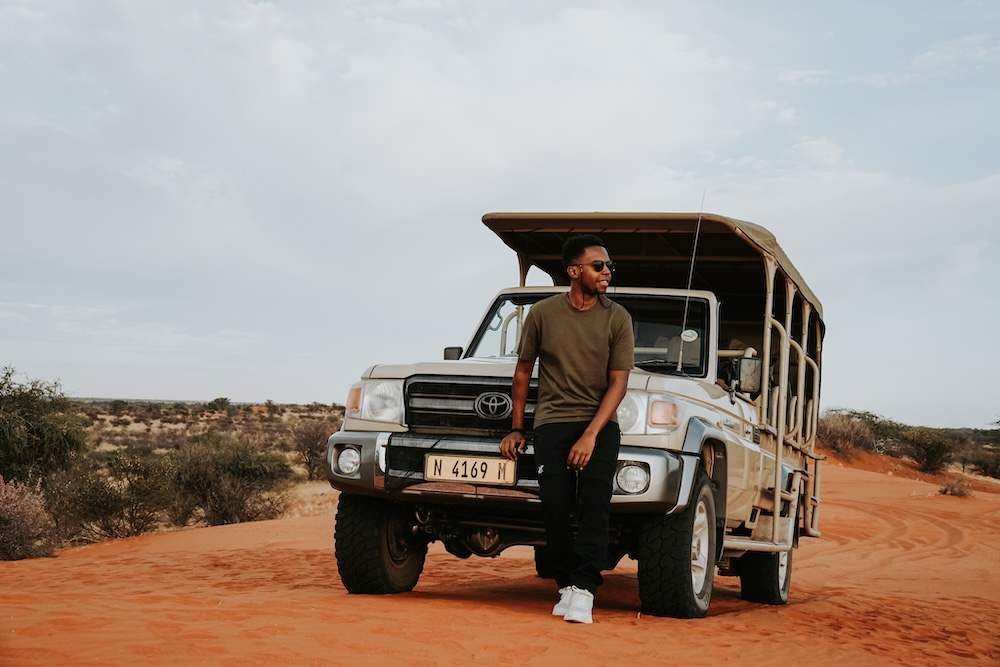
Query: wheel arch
{"points": [[708, 443]]}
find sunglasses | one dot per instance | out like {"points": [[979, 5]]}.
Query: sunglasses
{"points": [[599, 265]]}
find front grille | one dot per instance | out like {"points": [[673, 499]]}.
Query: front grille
{"points": [[447, 405]]}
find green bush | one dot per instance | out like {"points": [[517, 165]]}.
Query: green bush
{"points": [[26, 530], [930, 448], [230, 479], [987, 462], [221, 404], [127, 496], [40, 430]]}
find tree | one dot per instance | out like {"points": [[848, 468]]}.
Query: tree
{"points": [[40, 431], [221, 404], [310, 437]]}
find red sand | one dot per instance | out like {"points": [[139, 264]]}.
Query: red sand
{"points": [[901, 576]]}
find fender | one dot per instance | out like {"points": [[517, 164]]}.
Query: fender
{"points": [[700, 433]]}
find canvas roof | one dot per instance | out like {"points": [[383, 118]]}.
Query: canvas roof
{"points": [[654, 250]]}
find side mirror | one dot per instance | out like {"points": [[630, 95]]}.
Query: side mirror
{"points": [[749, 372], [452, 353]]}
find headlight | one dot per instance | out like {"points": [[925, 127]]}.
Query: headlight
{"points": [[642, 413], [382, 401], [349, 461], [632, 477], [632, 413]]}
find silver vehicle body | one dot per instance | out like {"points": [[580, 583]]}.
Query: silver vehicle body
{"points": [[741, 404]]}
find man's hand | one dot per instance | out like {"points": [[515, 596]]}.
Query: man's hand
{"points": [[579, 455], [512, 444]]}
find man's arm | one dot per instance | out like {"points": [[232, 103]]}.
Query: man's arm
{"points": [[515, 441], [579, 455]]}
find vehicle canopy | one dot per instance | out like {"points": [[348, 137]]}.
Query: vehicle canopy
{"points": [[656, 250]]}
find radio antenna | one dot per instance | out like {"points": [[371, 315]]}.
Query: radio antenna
{"points": [[687, 297]]}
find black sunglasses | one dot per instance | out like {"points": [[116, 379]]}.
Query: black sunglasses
{"points": [[599, 264]]}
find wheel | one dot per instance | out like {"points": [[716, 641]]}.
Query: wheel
{"points": [[376, 551], [677, 557], [765, 577], [542, 565]]}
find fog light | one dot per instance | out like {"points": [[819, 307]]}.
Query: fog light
{"points": [[632, 477], [349, 461]]}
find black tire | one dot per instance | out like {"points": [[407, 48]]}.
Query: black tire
{"points": [[677, 557], [765, 577], [376, 552]]}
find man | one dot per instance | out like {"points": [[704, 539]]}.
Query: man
{"points": [[583, 343]]}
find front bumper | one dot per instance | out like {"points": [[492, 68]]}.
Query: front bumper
{"points": [[392, 467]]}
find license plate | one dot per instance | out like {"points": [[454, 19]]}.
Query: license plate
{"points": [[470, 469]]}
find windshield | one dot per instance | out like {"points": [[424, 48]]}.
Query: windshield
{"points": [[670, 332]]}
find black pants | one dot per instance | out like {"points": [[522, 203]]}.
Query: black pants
{"points": [[565, 494]]}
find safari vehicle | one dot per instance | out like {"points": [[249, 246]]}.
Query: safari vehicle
{"points": [[717, 469]]}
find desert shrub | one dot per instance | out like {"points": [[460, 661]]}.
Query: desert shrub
{"points": [[167, 439], [930, 448], [26, 530], [127, 496], [40, 430], [887, 433], [986, 462], [230, 479], [956, 487], [309, 437], [845, 434]]}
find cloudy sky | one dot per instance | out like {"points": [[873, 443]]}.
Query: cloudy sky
{"points": [[257, 200]]}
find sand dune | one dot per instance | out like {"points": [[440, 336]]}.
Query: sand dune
{"points": [[902, 576]]}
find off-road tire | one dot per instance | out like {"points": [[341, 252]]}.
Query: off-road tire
{"points": [[376, 553], [677, 557], [765, 577]]}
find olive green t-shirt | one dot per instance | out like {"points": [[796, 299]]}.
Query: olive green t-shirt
{"points": [[575, 350]]}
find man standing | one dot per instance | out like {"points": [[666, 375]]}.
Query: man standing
{"points": [[583, 343]]}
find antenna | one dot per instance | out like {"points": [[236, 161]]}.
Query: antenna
{"points": [[687, 297]]}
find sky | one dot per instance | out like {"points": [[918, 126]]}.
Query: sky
{"points": [[258, 200]]}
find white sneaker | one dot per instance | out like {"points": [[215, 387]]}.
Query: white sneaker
{"points": [[581, 606], [565, 595]]}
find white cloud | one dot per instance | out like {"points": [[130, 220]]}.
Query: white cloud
{"points": [[968, 52], [266, 198]]}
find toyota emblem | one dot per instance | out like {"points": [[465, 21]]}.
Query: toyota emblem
{"points": [[494, 405]]}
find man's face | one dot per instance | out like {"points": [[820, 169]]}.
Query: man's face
{"points": [[592, 281]]}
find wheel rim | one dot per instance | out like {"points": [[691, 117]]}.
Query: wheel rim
{"points": [[782, 569], [699, 547], [397, 548]]}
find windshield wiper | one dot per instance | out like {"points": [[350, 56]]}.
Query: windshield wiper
{"points": [[656, 363], [665, 365]]}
